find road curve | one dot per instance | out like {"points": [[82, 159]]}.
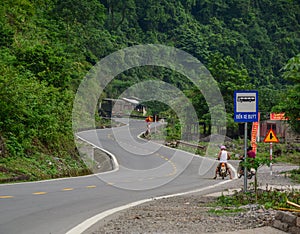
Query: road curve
{"points": [[146, 170]]}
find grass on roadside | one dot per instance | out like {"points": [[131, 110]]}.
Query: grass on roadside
{"points": [[268, 199], [225, 211]]}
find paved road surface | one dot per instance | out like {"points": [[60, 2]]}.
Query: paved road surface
{"points": [[145, 170]]}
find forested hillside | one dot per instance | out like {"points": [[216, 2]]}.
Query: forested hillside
{"points": [[47, 47]]}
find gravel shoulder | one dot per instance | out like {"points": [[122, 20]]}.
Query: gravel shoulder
{"points": [[190, 213]]}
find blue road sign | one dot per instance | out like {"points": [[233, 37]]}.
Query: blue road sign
{"points": [[245, 106]]}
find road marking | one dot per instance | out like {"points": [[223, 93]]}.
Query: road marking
{"points": [[111, 137], [39, 193], [80, 228], [4, 197], [68, 189], [91, 186]]}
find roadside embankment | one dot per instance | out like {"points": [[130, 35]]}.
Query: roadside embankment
{"points": [[195, 213]]}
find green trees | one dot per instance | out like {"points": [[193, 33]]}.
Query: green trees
{"points": [[290, 100], [36, 82], [32, 111], [47, 47]]}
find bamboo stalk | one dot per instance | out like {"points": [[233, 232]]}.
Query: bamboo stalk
{"points": [[288, 209], [293, 204]]}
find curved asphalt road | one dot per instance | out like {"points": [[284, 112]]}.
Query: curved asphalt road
{"points": [[146, 170]]}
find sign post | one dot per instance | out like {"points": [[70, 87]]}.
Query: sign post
{"points": [[245, 110], [271, 158], [148, 120], [270, 138]]}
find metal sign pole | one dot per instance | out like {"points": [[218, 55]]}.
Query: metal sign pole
{"points": [[270, 138], [245, 158], [155, 123], [271, 158], [245, 110]]}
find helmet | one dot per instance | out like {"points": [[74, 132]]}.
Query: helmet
{"points": [[223, 147]]}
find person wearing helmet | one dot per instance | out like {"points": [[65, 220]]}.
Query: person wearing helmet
{"points": [[223, 157]]}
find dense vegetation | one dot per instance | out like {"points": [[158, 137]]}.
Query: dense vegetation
{"points": [[47, 47]]}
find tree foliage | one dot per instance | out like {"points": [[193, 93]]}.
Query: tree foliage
{"points": [[290, 100], [47, 47]]}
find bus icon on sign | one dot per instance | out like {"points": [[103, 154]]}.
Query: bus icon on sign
{"points": [[242, 99]]}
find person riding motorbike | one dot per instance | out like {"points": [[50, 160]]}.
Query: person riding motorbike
{"points": [[251, 155], [223, 157]]}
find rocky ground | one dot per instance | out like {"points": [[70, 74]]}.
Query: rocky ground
{"points": [[193, 213], [187, 214]]}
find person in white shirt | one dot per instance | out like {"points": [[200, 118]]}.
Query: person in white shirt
{"points": [[223, 157]]}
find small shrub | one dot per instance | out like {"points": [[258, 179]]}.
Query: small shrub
{"points": [[269, 199]]}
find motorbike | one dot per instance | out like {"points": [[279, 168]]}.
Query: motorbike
{"points": [[240, 171], [223, 172]]}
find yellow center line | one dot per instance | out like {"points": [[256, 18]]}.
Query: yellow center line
{"points": [[91, 186], [110, 136], [39, 193], [68, 189], [169, 161], [6, 197]]}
